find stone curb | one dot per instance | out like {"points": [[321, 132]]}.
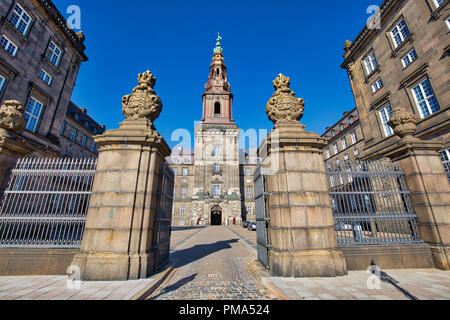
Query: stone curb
{"points": [[261, 274], [159, 279]]}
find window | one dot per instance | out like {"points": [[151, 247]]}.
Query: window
{"points": [[335, 147], [20, 19], [69, 150], [351, 120], [248, 172], [445, 155], [2, 83], [344, 144], [353, 137], [216, 151], [182, 210], [438, 3], [332, 181], [83, 141], [216, 191], [184, 180], [217, 109], [54, 53], [425, 99], [33, 114], [409, 58], [338, 162], [174, 171], [73, 135], [377, 85], [448, 22], [184, 171], [9, 46], [333, 133], [385, 114], [327, 152], [217, 167], [341, 127], [45, 77], [399, 33], [248, 192], [346, 157], [250, 209], [349, 177], [356, 152], [370, 62], [93, 146], [183, 193], [63, 127]]}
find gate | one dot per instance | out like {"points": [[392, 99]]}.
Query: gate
{"points": [[371, 203], [45, 203], [163, 220], [262, 218]]}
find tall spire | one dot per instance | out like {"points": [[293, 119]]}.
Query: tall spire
{"points": [[218, 48]]}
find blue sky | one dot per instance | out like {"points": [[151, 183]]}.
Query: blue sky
{"points": [[175, 39]]}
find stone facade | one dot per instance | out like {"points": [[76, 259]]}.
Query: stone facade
{"points": [[214, 183], [398, 66], [39, 62], [77, 132], [345, 139]]}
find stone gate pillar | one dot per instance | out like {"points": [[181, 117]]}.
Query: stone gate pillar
{"points": [[11, 148], [118, 239], [301, 227], [427, 181]]}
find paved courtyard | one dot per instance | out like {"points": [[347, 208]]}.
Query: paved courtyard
{"points": [[213, 266]]}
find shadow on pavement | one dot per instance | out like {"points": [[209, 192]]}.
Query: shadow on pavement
{"points": [[200, 251], [175, 286]]}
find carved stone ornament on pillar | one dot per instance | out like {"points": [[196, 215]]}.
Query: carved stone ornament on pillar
{"points": [[11, 117], [403, 123], [143, 103], [284, 107]]}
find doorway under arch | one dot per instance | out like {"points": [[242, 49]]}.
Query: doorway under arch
{"points": [[216, 216]]}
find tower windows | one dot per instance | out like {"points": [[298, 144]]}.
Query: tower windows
{"points": [[217, 109]]}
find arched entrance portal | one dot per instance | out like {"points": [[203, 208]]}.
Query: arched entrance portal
{"points": [[216, 216]]}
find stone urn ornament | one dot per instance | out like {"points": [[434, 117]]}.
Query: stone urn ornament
{"points": [[11, 117], [143, 103], [403, 123], [284, 107]]}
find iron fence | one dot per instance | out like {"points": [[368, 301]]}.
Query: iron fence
{"points": [[371, 203], [45, 203], [163, 219], [262, 217], [447, 168]]}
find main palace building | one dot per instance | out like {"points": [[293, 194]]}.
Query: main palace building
{"points": [[214, 184]]}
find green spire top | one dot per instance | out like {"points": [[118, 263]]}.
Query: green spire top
{"points": [[218, 48]]}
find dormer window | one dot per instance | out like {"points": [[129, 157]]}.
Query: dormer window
{"points": [[217, 109]]}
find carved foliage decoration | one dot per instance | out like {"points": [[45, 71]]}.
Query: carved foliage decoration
{"points": [[403, 123], [11, 116], [143, 103], [284, 107]]}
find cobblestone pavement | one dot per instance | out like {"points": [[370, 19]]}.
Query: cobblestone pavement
{"points": [[213, 266], [55, 288], [405, 284]]}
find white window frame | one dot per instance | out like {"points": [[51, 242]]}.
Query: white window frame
{"points": [[327, 152], [45, 77], [248, 192], [184, 171], [8, 46], [370, 62], [183, 193], [51, 53], [216, 190], [248, 172], [399, 32], [377, 85], [335, 148], [2, 82], [344, 144], [36, 116], [356, 152], [21, 17], [447, 21], [250, 209], [182, 210], [73, 135], [216, 151], [83, 141], [385, 114], [346, 157], [437, 4], [216, 167], [409, 58], [426, 101], [353, 137]]}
